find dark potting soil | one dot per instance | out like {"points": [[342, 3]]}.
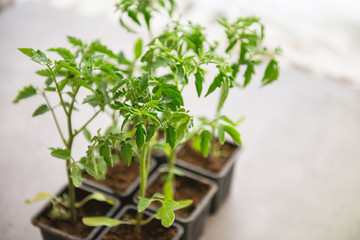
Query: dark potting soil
{"points": [[185, 188], [76, 227], [119, 177], [151, 231], [188, 154]]}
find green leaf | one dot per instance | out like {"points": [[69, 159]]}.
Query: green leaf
{"points": [[26, 92], [138, 48], [180, 72], [205, 137], [199, 79], [126, 152], [75, 175], [61, 153], [75, 41], [101, 221], [243, 52], [178, 172], [250, 70], [170, 136], [221, 134], [171, 91], [40, 196], [235, 135], [62, 84], [183, 204], [215, 84], [271, 72], [228, 120], [144, 82], [40, 110], [147, 17], [27, 51], [150, 132], [98, 47], [87, 134], [95, 166], [140, 135], [143, 204], [166, 215], [44, 73], [223, 95], [63, 52], [40, 58], [84, 84], [67, 66], [133, 15], [158, 195], [104, 152], [94, 196], [181, 130]]}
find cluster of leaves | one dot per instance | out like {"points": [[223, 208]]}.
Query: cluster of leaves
{"points": [[146, 8], [245, 38], [147, 106], [203, 137], [185, 51]]}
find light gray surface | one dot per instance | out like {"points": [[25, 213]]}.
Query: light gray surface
{"points": [[297, 177]]}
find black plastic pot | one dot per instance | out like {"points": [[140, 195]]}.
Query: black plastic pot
{"points": [[125, 196], [50, 233], [195, 223], [223, 178], [126, 208]]}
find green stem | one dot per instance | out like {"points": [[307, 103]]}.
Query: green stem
{"points": [[146, 221], [54, 117], [213, 138], [57, 89], [87, 123], [168, 187], [143, 180]]}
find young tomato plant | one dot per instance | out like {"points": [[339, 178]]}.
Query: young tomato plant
{"points": [[140, 106], [245, 42], [86, 68]]}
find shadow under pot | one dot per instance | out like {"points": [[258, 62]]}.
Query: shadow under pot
{"points": [[188, 186], [219, 168], [151, 231], [121, 180], [56, 229]]}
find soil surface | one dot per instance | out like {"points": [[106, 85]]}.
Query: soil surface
{"points": [[216, 164], [185, 188], [119, 177], [151, 231], [76, 228]]}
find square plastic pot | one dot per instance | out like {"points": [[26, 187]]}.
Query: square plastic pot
{"points": [[51, 233], [223, 179], [123, 210], [194, 224]]}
